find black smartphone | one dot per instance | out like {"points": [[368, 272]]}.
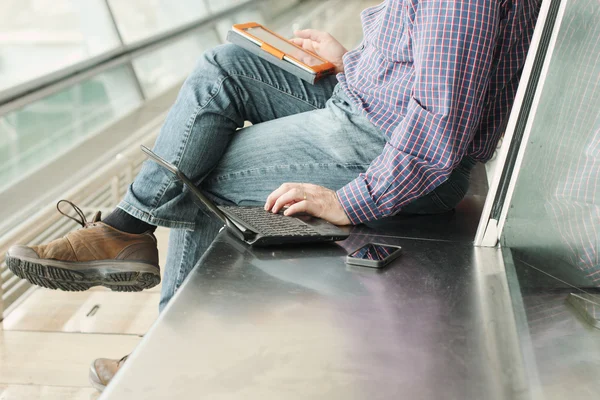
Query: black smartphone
{"points": [[374, 255]]}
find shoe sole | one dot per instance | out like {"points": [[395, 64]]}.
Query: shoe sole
{"points": [[119, 276], [95, 380]]}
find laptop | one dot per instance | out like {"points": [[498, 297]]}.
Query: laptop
{"points": [[256, 226]]}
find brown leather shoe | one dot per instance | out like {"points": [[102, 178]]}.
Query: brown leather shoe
{"points": [[103, 370], [96, 255]]}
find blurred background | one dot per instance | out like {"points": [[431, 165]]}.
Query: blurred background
{"points": [[82, 84], [42, 39]]}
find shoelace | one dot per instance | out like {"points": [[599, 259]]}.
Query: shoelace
{"points": [[122, 360], [83, 221]]}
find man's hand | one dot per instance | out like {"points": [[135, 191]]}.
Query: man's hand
{"points": [[311, 199], [323, 44]]}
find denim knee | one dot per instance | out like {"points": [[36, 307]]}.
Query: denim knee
{"points": [[222, 57]]}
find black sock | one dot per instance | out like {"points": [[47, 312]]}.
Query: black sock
{"points": [[125, 222]]}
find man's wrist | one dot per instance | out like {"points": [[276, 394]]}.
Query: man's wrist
{"points": [[342, 208], [357, 204], [339, 66]]}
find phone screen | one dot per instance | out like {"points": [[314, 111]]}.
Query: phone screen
{"points": [[375, 252], [284, 46]]}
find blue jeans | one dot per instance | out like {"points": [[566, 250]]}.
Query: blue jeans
{"points": [[300, 133]]}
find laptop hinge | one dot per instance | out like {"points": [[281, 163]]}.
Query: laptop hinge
{"points": [[242, 233]]}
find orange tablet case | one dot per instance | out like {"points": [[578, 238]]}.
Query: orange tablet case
{"points": [[275, 56]]}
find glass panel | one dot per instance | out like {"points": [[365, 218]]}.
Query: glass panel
{"points": [[553, 223], [558, 346], [163, 68], [41, 36], [42, 131], [551, 237], [220, 5], [251, 14], [138, 19], [274, 8]]}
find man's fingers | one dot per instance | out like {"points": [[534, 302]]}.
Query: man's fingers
{"points": [[289, 197], [275, 195], [311, 34], [302, 206], [306, 44]]}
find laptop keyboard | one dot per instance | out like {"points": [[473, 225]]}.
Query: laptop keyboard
{"points": [[270, 224]]}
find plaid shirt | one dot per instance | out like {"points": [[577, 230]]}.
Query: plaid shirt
{"points": [[438, 78]]}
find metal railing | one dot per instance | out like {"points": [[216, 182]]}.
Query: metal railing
{"points": [[28, 92]]}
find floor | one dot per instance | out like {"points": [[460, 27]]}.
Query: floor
{"points": [[48, 342]]}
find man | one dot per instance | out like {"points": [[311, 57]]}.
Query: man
{"points": [[398, 130]]}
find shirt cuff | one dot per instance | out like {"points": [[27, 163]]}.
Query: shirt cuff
{"points": [[357, 202]]}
